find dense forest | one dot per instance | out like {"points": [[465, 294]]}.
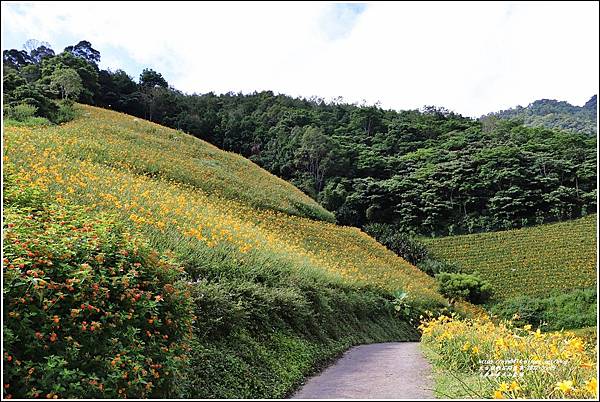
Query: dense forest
{"points": [[430, 171], [551, 113]]}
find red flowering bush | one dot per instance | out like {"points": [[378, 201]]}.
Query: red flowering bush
{"points": [[89, 311]]}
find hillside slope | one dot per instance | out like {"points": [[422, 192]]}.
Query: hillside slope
{"points": [[531, 261], [275, 292], [551, 113]]}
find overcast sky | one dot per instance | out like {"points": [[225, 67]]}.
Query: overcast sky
{"points": [[468, 57]]}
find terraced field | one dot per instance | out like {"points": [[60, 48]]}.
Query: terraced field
{"points": [[530, 261]]}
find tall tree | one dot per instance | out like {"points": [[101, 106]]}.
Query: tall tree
{"points": [[153, 88], [87, 71], [84, 50], [16, 58], [314, 154], [67, 82], [40, 53], [150, 78]]}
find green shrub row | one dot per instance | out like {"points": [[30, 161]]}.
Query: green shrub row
{"points": [[575, 309], [28, 114]]}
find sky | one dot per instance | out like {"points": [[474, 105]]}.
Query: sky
{"points": [[472, 58]]}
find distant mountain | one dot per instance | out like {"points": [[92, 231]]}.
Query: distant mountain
{"points": [[556, 114]]}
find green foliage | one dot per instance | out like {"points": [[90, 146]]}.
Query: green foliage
{"points": [[256, 341], [66, 112], [67, 82], [314, 155], [432, 266], [468, 287], [575, 309], [429, 172], [33, 95], [87, 72], [20, 112], [405, 310], [245, 365], [556, 114], [33, 121], [23, 115], [403, 245], [88, 310]]}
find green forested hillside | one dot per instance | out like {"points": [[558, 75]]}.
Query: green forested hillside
{"points": [[429, 171], [556, 114]]}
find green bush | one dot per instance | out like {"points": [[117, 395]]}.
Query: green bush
{"points": [[65, 113], [432, 266], [469, 287], [88, 310], [576, 309], [20, 112], [402, 244], [29, 114]]}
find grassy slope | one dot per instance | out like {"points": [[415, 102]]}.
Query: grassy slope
{"points": [[276, 292], [531, 261]]}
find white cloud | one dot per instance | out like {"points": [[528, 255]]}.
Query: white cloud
{"points": [[469, 57]]}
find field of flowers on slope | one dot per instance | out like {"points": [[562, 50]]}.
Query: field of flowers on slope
{"points": [[532, 261], [219, 213], [274, 288]]}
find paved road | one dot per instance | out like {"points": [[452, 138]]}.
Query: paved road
{"points": [[395, 370]]}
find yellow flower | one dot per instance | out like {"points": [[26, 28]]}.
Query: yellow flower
{"points": [[527, 327], [576, 344], [503, 387], [466, 346], [564, 386], [514, 386], [475, 350], [591, 386], [498, 395]]}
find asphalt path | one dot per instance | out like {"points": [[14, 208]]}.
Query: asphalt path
{"points": [[394, 370]]}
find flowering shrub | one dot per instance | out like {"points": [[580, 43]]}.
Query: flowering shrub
{"points": [[88, 310], [513, 362]]}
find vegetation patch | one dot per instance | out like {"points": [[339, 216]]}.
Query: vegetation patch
{"points": [[269, 296], [512, 362], [89, 310], [572, 310], [533, 261]]}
